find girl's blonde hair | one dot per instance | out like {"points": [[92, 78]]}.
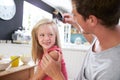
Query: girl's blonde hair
{"points": [[37, 50]]}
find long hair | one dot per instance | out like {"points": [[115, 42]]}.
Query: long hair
{"points": [[37, 51]]}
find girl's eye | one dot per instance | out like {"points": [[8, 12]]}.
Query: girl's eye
{"points": [[50, 35], [41, 35]]}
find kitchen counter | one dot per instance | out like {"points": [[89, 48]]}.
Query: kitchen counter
{"points": [[23, 72]]}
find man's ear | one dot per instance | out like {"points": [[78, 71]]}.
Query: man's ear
{"points": [[92, 20]]}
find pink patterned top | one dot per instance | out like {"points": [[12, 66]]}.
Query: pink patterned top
{"points": [[63, 67]]}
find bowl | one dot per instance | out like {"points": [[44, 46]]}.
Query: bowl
{"points": [[4, 65], [25, 59], [1, 56]]}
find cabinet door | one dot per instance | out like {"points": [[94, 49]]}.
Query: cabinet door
{"points": [[20, 75]]}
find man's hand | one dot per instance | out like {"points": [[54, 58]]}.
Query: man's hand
{"points": [[51, 67]]}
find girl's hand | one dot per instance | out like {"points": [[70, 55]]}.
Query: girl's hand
{"points": [[51, 67]]}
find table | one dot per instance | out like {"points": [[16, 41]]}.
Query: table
{"points": [[23, 72]]}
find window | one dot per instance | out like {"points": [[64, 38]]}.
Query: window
{"points": [[32, 14]]}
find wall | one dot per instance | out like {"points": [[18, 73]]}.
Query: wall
{"points": [[8, 49], [7, 27]]}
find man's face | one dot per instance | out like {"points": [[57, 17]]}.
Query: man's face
{"points": [[79, 19], [84, 24]]}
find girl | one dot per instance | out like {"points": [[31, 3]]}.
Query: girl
{"points": [[45, 40]]}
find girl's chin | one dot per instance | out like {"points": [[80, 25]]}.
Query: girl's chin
{"points": [[47, 47]]}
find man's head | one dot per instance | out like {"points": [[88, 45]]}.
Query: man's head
{"points": [[108, 11]]}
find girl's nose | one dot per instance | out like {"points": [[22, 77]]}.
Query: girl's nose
{"points": [[46, 37]]}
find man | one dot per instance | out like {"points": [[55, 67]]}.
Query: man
{"points": [[99, 18]]}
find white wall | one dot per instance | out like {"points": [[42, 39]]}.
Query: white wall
{"points": [[14, 49]]}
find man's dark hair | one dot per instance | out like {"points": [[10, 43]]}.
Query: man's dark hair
{"points": [[108, 11]]}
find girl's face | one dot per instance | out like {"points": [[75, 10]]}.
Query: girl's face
{"points": [[46, 36]]}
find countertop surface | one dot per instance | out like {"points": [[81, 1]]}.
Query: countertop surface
{"points": [[16, 69]]}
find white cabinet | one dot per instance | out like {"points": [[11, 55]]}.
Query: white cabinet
{"points": [[74, 58]]}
